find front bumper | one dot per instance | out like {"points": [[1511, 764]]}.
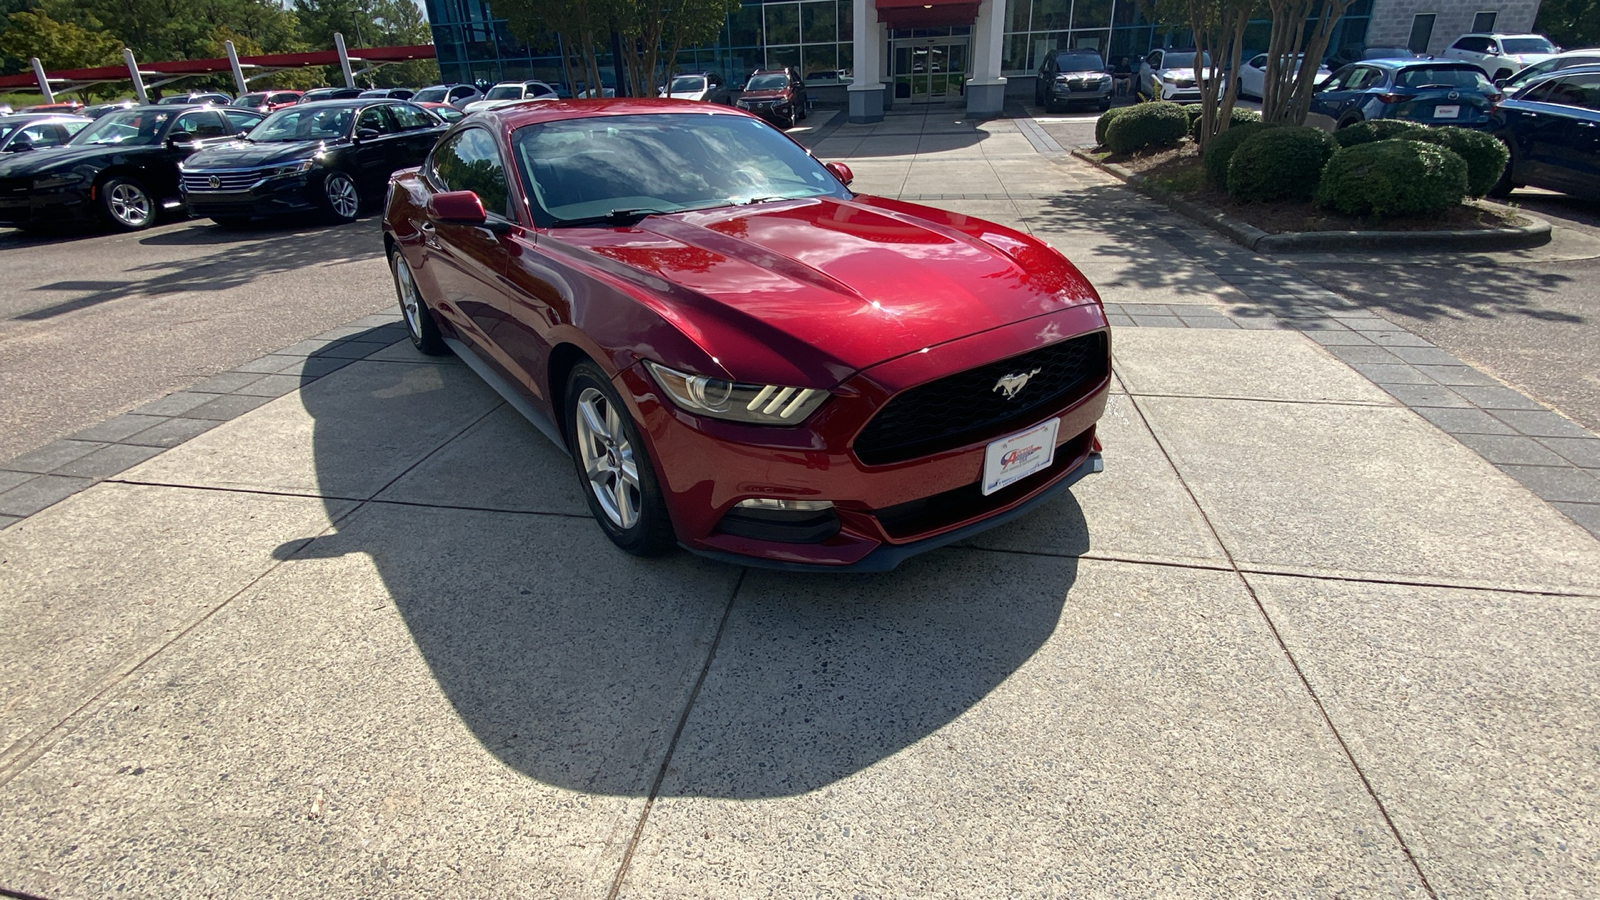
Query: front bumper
{"points": [[885, 512], [28, 207], [1068, 93], [275, 197], [781, 114], [1179, 94]]}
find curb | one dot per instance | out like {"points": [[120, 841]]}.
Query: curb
{"points": [[1535, 234]]}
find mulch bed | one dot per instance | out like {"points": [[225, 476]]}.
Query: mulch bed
{"points": [[1178, 172]]}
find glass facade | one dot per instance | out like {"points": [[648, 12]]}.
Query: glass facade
{"points": [[814, 36]]}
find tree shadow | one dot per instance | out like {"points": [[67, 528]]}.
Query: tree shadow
{"points": [[1461, 289], [572, 662]]}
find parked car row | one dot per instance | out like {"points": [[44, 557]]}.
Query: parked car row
{"points": [[229, 163]]}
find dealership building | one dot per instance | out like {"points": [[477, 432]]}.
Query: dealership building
{"points": [[954, 52]]}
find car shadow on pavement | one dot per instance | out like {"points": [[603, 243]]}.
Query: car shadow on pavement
{"points": [[243, 257], [573, 663]]}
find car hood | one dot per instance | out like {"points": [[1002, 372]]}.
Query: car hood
{"points": [[689, 95], [46, 159], [807, 292], [243, 154], [764, 95], [1529, 59], [1175, 74]]}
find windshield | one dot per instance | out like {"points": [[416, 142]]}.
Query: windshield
{"points": [[431, 95], [131, 127], [1469, 77], [304, 124], [687, 84], [1183, 59], [1079, 62], [7, 127], [447, 113], [251, 100], [767, 83], [1527, 45], [504, 92], [586, 168]]}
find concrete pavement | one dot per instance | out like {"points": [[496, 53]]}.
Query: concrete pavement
{"points": [[362, 639]]}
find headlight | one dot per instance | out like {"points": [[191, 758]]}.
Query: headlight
{"points": [[1105, 78], [302, 166], [760, 404], [46, 182]]}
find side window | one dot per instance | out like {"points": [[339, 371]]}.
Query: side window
{"points": [[1587, 90], [460, 92], [240, 120], [202, 124], [1542, 92], [1570, 92], [41, 135], [1364, 78], [373, 117], [470, 161], [411, 118], [1154, 59], [1260, 62], [72, 128]]}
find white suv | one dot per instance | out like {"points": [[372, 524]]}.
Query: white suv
{"points": [[1501, 55], [1169, 75], [511, 92]]}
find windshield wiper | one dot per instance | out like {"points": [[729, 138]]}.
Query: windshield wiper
{"points": [[615, 217]]}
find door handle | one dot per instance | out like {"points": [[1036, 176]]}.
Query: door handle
{"points": [[430, 234]]}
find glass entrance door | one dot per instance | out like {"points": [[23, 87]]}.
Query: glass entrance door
{"points": [[929, 70]]}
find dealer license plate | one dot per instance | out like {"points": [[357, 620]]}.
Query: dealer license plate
{"points": [[1446, 112], [1011, 459]]}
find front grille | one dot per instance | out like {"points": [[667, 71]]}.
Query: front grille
{"points": [[967, 407], [1084, 85], [226, 180]]}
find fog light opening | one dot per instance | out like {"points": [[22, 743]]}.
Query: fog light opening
{"points": [[783, 521]]}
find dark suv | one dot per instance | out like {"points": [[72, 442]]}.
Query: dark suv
{"points": [[1072, 76], [777, 95]]}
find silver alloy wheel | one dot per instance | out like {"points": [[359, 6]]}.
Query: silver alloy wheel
{"points": [[342, 195], [130, 205], [410, 297], [608, 458]]}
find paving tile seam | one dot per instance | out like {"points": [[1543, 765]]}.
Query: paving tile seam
{"points": [[677, 734], [1305, 683], [1286, 401], [26, 751]]}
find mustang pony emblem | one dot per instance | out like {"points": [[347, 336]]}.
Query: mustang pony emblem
{"points": [[1013, 384]]}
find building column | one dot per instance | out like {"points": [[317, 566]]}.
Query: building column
{"points": [[986, 89], [866, 84]]}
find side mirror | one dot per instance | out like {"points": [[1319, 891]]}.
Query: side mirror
{"points": [[1501, 82], [367, 134], [180, 140], [841, 172], [19, 147], [463, 208]]}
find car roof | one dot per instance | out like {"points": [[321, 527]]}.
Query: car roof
{"points": [[348, 103], [1419, 62], [518, 115]]}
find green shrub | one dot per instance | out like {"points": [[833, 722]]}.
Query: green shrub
{"points": [[1193, 111], [1104, 122], [1485, 155], [1393, 178], [1279, 164], [1219, 152], [1147, 126], [1236, 116], [1376, 130]]}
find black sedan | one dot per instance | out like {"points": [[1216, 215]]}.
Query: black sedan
{"points": [[332, 157], [1553, 130], [123, 167]]}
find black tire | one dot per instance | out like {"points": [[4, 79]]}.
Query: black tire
{"points": [[1346, 124], [423, 331], [341, 199], [1105, 104], [650, 534], [128, 205]]}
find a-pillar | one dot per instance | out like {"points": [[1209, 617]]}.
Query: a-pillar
{"points": [[986, 90], [867, 89]]}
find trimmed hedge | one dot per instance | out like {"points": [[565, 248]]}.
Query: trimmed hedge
{"points": [[1146, 126], [1485, 155], [1282, 163], [1220, 151], [1104, 122], [1236, 116], [1376, 130], [1393, 178]]}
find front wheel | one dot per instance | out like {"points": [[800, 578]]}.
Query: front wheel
{"points": [[1105, 104], [128, 205], [1504, 186], [613, 466], [340, 197], [424, 332]]}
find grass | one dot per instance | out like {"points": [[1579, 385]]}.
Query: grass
{"points": [[1177, 172]]}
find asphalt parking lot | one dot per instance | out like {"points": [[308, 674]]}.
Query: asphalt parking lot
{"points": [[357, 636]]}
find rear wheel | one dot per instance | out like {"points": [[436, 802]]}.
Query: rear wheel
{"points": [[340, 197], [613, 466], [1503, 188], [127, 204], [424, 332]]}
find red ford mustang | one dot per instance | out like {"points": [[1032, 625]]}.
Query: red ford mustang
{"points": [[741, 355]]}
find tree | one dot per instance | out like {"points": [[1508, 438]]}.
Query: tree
{"points": [[1289, 84], [370, 23], [60, 44], [577, 28], [1570, 23], [647, 27], [1218, 27]]}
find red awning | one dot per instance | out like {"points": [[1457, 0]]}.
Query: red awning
{"points": [[927, 13]]}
